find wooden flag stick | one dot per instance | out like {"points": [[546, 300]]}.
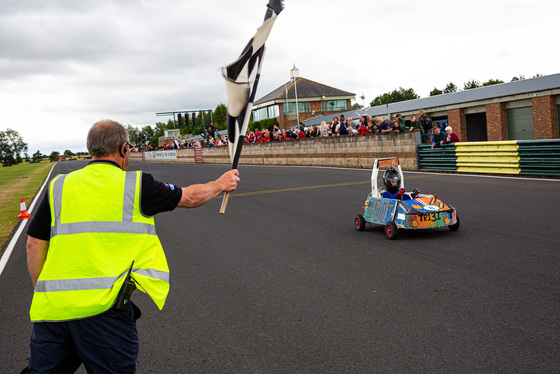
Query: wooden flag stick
{"points": [[224, 203]]}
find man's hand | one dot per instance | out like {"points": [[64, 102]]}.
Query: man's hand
{"points": [[229, 180], [199, 194], [401, 192]]}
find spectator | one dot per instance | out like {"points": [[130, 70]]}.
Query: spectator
{"points": [[415, 125], [343, 130], [378, 123], [425, 122], [324, 129], [364, 128], [451, 136], [395, 124], [354, 124], [333, 126], [211, 130], [276, 133], [258, 135], [386, 126], [250, 138], [402, 124], [438, 137], [301, 134], [266, 135]]}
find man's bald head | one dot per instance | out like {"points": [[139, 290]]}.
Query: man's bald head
{"points": [[105, 138]]}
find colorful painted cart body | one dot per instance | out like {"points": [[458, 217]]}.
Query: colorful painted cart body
{"points": [[421, 212]]}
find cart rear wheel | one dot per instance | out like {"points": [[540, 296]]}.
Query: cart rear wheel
{"points": [[391, 230], [360, 222], [454, 227]]}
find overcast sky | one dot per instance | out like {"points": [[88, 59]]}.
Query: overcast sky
{"points": [[65, 64]]}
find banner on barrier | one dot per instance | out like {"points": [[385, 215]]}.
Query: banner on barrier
{"points": [[161, 155]]}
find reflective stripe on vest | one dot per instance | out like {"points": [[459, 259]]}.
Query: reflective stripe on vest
{"points": [[126, 226], [94, 283]]}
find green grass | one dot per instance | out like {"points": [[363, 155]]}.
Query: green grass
{"points": [[16, 182]]}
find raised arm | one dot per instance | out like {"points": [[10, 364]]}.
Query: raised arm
{"points": [[199, 194]]}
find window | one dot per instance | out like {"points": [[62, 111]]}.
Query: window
{"points": [[333, 105], [266, 113], [290, 108]]}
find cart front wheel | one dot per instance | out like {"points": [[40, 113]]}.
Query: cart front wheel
{"points": [[360, 222], [391, 230]]}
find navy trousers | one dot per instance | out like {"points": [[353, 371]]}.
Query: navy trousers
{"points": [[106, 343]]}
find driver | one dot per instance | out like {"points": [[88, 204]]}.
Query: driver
{"points": [[392, 181]]}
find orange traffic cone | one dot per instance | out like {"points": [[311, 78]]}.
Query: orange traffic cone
{"points": [[23, 211]]}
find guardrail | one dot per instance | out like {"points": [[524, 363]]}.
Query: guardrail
{"points": [[519, 157]]}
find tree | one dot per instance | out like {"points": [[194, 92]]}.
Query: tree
{"points": [[491, 82], [145, 135], [37, 156], [521, 77], [11, 146], [395, 96], [357, 106], [220, 117], [436, 92], [133, 134], [450, 88], [471, 84], [55, 156], [68, 153]]}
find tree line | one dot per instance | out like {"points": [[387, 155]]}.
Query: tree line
{"points": [[402, 94]]}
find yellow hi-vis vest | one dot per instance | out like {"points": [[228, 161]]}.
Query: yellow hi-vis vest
{"points": [[97, 230]]}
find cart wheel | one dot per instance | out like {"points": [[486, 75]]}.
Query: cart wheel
{"points": [[360, 223], [391, 230], [454, 227]]}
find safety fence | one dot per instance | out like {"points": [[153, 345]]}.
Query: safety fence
{"points": [[520, 157]]}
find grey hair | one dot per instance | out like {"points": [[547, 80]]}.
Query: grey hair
{"points": [[105, 138]]}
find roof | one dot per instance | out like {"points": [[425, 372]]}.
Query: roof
{"points": [[523, 86], [305, 89]]}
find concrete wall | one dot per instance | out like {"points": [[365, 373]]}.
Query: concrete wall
{"points": [[356, 151]]}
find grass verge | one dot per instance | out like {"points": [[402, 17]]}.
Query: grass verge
{"points": [[16, 182]]}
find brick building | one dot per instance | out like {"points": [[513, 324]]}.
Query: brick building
{"points": [[526, 109], [313, 99]]}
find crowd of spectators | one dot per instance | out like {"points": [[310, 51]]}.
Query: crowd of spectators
{"points": [[343, 126], [431, 132]]}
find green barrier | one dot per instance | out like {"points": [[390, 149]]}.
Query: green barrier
{"points": [[442, 158], [523, 157], [539, 157]]}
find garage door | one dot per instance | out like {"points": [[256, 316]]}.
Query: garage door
{"points": [[520, 123]]}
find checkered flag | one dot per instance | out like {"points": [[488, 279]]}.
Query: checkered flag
{"points": [[242, 78]]}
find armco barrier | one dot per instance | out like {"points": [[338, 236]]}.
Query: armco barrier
{"points": [[521, 157]]}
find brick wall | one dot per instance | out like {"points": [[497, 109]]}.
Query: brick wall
{"points": [[545, 117], [356, 151], [496, 122], [457, 120]]}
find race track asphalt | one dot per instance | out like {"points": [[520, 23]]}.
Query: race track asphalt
{"points": [[283, 283]]}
